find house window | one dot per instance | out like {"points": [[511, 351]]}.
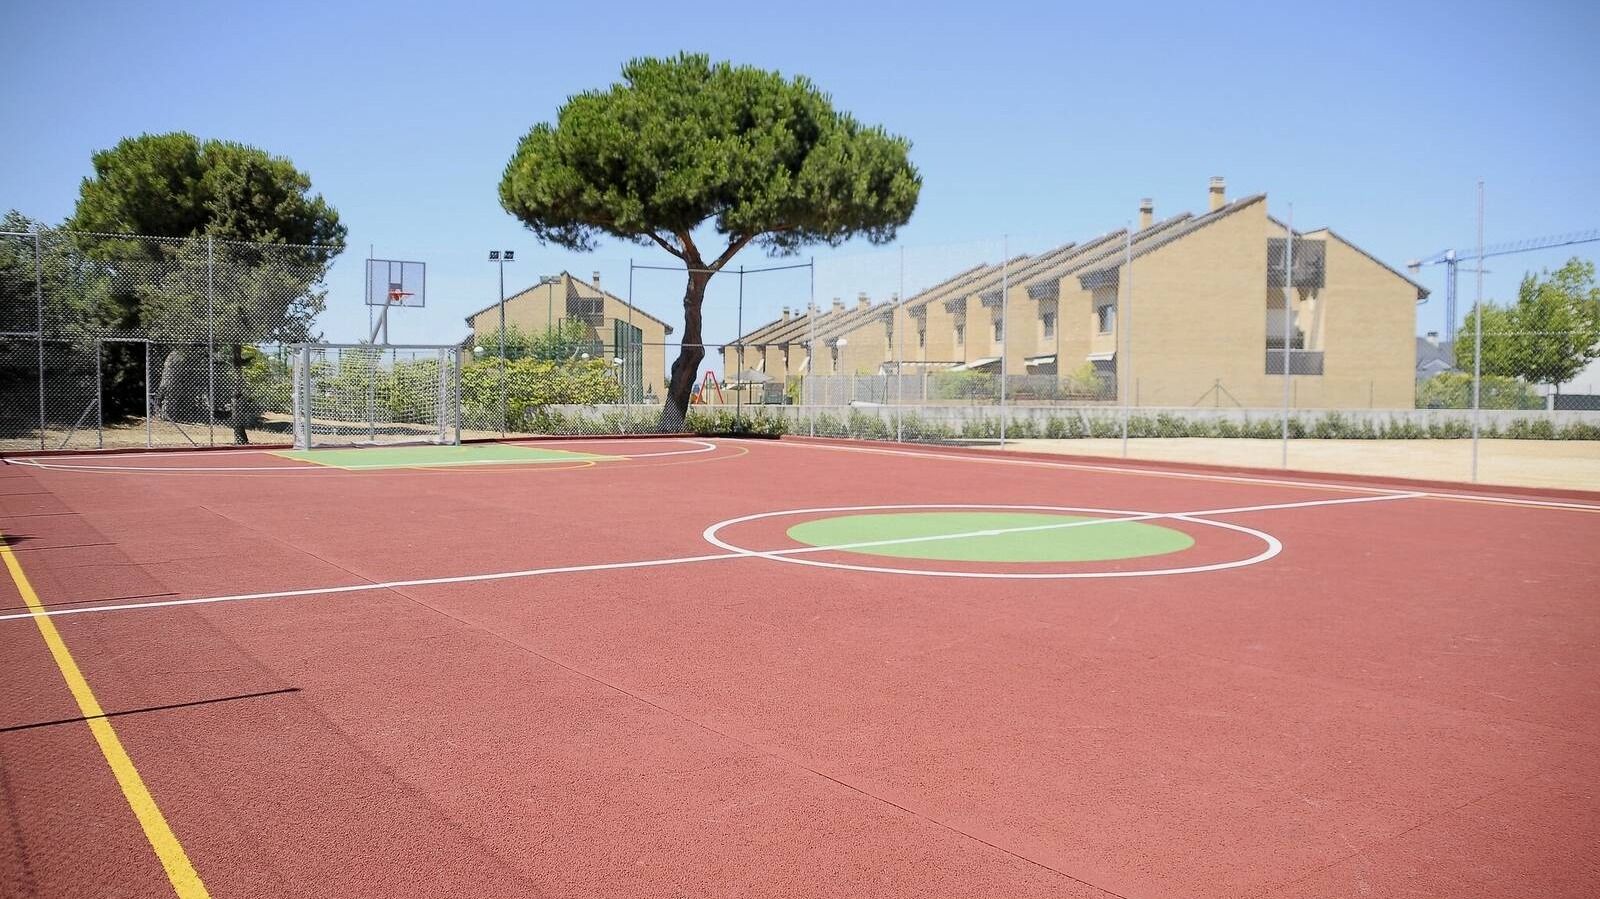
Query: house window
{"points": [[1106, 317], [999, 330], [961, 334], [1049, 321], [922, 337]]}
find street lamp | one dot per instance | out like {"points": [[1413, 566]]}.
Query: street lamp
{"points": [[500, 258]]}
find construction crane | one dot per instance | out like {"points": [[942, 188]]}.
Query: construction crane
{"points": [[1451, 259]]}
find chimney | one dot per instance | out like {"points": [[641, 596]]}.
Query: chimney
{"points": [[862, 303], [785, 314], [1147, 213], [596, 279], [838, 305], [1433, 338], [1219, 193]]}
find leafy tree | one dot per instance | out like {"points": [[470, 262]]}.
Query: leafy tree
{"points": [[1500, 343], [1548, 336], [681, 143], [568, 340], [178, 186], [1559, 316]]}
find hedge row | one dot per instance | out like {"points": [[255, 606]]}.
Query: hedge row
{"points": [[1329, 426]]}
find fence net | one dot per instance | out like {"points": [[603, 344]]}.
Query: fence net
{"points": [[1223, 336]]}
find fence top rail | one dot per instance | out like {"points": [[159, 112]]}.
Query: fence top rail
{"points": [[377, 346], [197, 238]]}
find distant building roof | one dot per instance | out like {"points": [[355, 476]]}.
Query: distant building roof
{"points": [[577, 288], [1434, 356]]}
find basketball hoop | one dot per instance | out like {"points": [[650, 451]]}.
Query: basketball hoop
{"points": [[394, 284]]}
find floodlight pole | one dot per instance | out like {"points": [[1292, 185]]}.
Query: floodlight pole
{"points": [[500, 258]]}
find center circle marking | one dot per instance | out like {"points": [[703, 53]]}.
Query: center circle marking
{"points": [[799, 555], [990, 536]]}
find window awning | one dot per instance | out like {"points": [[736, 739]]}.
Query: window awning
{"points": [[1041, 360], [1102, 357], [976, 364]]}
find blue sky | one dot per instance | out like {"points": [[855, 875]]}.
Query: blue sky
{"points": [[1032, 123]]}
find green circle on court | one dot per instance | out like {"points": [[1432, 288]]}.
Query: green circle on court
{"points": [[991, 536]]}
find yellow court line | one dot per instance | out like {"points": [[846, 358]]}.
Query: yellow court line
{"points": [[185, 880]]}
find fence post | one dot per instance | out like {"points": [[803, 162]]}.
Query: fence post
{"points": [[211, 343], [738, 357], [811, 346], [1288, 331], [898, 329], [1005, 275], [99, 398], [147, 432], [1125, 295], [38, 323], [1477, 342]]}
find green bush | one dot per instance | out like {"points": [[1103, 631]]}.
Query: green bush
{"points": [[1453, 390], [1328, 426], [963, 385], [729, 421], [530, 385]]}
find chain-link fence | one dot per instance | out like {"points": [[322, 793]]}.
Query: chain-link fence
{"points": [[120, 340], [1224, 336]]}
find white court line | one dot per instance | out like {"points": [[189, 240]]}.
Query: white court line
{"points": [[651, 563], [1273, 545], [274, 450], [1194, 475], [37, 462], [176, 469], [161, 454]]}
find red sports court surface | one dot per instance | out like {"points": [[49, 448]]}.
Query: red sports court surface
{"points": [[627, 676]]}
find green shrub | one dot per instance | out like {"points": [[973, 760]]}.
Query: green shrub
{"points": [[1453, 390], [963, 385], [530, 386], [1531, 429]]}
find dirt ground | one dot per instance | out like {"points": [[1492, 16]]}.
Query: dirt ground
{"points": [[1573, 464]]}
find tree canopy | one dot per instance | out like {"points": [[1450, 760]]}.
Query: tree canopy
{"points": [[682, 143], [1547, 336], [176, 185], [259, 279]]}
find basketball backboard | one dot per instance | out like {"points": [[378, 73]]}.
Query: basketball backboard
{"points": [[393, 282]]}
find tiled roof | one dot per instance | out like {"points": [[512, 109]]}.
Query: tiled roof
{"points": [[576, 287], [944, 289], [1047, 284], [1156, 241], [1014, 272], [1422, 292]]}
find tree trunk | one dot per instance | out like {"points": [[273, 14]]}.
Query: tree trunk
{"points": [[178, 396], [239, 414], [680, 386]]}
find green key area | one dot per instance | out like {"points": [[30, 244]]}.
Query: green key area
{"points": [[376, 457], [992, 536]]}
